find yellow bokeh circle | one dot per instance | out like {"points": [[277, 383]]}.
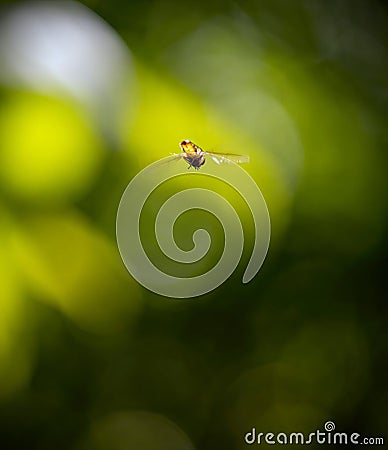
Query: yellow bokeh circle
{"points": [[48, 148]]}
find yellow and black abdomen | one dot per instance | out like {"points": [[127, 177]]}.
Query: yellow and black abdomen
{"points": [[193, 155], [189, 147]]}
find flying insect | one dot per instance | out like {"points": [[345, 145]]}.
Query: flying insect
{"points": [[196, 157]]}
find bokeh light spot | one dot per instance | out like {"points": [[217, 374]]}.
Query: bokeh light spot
{"points": [[48, 150]]}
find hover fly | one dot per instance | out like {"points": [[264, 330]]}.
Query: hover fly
{"points": [[196, 157]]}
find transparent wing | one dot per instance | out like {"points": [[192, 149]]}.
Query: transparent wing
{"points": [[220, 158], [165, 162], [169, 159]]}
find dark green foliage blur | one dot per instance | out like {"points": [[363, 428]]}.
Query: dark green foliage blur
{"points": [[89, 359]]}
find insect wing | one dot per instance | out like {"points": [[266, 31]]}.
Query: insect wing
{"points": [[167, 161], [220, 158]]}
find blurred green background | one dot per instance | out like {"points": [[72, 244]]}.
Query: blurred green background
{"points": [[92, 92]]}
